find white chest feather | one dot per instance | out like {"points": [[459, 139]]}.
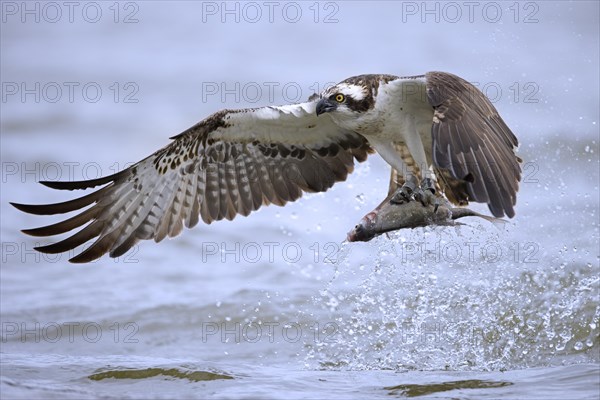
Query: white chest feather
{"points": [[400, 117]]}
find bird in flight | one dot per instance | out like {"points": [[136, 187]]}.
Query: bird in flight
{"points": [[438, 132]]}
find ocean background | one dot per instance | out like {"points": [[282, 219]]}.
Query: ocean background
{"points": [[277, 305]]}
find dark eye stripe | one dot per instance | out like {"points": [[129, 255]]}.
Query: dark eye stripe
{"points": [[360, 105]]}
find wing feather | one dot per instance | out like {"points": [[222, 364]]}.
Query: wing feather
{"points": [[65, 207], [231, 163], [66, 225], [166, 205], [252, 182], [137, 231], [232, 188], [177, 209], [212, 196], [246, 200], [473, 143], [192, 205]]}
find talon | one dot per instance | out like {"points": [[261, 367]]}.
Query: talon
{"points": [[398, 198], [404, 194], [427, 184], [425, 194], [420, 197]]}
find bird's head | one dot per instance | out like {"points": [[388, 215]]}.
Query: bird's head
{"points": [[348, 101], [344, 99]]}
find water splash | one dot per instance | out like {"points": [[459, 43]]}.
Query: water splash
{"points": [[423, 307]]}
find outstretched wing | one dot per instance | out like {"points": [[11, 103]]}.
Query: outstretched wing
{"points": [[472, 142], [230, 163]]}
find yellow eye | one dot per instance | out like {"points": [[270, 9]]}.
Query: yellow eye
{"points": [[339, 98]]}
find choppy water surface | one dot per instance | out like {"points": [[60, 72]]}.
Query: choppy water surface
{"points": [[277, 305]]}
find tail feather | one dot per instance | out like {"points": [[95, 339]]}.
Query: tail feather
{"points": [[456, 190]]}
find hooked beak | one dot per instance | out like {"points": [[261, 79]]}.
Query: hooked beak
{"points": [[324, 105]]}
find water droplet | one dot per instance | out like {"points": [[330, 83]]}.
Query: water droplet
{"points": [[578, 346]]}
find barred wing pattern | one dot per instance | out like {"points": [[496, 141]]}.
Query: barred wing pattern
{"points": [[471, 140], [231, 163]]}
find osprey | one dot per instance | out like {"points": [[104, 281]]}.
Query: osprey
{"points": [[439, 133]]}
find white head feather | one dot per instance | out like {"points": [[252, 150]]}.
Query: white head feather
{"points": [[350, 90]]}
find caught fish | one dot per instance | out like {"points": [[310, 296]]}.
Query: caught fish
{"points": [[389, 216]]}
